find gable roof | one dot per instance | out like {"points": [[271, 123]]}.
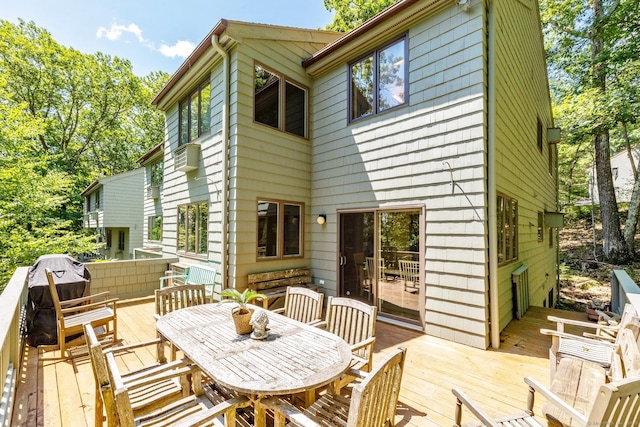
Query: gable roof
{"points": [[229, 33]]}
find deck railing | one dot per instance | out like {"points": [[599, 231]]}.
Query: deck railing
{"points": [[123, 279], [623, 290], [12, 302]]}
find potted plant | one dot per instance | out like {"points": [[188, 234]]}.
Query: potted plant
{"points": [[241, 314]]}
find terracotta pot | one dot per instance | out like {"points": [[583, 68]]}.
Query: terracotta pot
{"points": [[242, 319]]}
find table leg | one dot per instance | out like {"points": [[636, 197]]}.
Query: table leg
{"points": [[259, 413]]}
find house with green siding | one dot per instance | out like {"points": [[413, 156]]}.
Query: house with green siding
{"points": [[410, 163]]}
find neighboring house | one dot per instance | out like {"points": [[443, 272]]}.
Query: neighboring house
{"points": [[113, 209], [152, 162], [622, 174], [419, 138]]}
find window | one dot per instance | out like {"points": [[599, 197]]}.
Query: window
{"points": [[507, 222], [156, 173], [378, 82], [97, 199], [154, 227], [193, 220], [195, 114], [539, 135], [87, 203], [268, 102], [279, 229], [540, 226]]}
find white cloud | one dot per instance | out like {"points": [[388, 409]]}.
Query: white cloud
{"points": [[115, 32], [181, 49]]}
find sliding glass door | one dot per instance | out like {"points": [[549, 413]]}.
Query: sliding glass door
{"points": [[380, 261]]}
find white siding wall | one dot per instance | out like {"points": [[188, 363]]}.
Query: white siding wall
{"points": [[122, 200], [410, 157], [522, 171]]}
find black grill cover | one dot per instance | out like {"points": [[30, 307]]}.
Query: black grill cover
{"points": [[72, 280]]}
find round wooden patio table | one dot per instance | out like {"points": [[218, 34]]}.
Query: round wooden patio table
{"points": [[295, 357]]}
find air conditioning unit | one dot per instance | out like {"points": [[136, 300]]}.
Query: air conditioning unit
{"points": [[187, 157], [153, 192]]}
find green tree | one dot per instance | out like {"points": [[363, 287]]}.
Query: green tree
{"points": [[352, 13], [66, 118], [589, 45]]}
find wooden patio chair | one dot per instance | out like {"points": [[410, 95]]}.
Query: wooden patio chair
{"points": [[194, 410], [410, 272], [600, 352], [605, 331], [72, 314], [197, 275], [302, 304], [355, 322], [615, 404], [174, 298], [151, 385], [372, 403]]}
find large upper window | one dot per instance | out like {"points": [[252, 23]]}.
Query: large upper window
{"points": [[195, 114], [378, 81], [193, 220], [507, 222], [154, 226], [279, 103], [279, 229]]}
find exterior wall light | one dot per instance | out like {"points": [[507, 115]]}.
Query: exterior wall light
{"points": [[322, 218]]}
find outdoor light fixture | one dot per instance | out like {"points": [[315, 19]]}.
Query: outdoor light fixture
{"points": [[322, 218]]}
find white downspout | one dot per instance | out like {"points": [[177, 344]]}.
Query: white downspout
{"points": [[494, 306], [215, 42]]}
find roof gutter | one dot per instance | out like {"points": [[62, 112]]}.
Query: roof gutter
{"points": [[215, 42], [362, 29], [205, 44]]}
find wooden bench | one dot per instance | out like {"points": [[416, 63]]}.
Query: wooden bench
{"points": [[577, 382], [274, 283]]}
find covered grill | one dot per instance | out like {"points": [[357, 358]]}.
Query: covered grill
{"points": [[72, 280]]}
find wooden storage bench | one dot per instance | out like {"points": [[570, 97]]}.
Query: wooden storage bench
{"points": [[274, 283]]}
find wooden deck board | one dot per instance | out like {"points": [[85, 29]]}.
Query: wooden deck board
{"points": [[65, 389]]}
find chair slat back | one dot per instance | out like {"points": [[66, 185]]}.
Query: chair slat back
{"points": [[374, 401], [101, 376], [120, 393], [54, 294], [352, 320], [302, 304], [200, 275], [617, 404], [176, 297]]}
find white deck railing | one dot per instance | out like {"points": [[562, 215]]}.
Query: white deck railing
{"points": [[12, 303], [623, 290]]}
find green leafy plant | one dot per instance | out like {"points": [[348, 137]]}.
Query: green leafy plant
{"points": [[241, 298]]}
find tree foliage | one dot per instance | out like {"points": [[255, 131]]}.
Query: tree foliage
{"points": [[592, 52], [66, 119], [352, 13]]}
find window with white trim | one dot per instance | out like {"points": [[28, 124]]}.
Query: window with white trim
{"points": [[193, 221]]}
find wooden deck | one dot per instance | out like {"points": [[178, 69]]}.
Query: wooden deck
{"points": [[61, 393]]}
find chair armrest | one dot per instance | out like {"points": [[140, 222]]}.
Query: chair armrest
{"points": [[362, 344], [125, 348], [599, 337], [81, 300], [278, 310], [178, 276], [222, 408], [555, 400], [463, 399], [282, 408], [577, 338], [89, 306], [159, 373], [322, 324], [316, 322]]}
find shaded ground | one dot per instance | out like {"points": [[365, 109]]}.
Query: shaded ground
{"points": [[583, 276]]}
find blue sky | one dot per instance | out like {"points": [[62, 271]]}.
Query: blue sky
{"points": [[154, 35]]}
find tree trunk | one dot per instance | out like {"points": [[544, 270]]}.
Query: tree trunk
{"points": [[613, 245]]}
